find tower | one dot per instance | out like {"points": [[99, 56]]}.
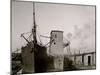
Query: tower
{"points": [[56, 49]]}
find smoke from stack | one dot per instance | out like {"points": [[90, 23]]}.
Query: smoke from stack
{"points": [[83, 37]]}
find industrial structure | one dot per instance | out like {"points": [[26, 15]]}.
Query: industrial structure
{"points": [[34, 58], [56, 49]]}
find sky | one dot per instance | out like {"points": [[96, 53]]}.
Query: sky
{"points": [[76, 21]]}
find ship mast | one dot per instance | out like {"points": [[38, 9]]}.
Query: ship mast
{"points": [[34, 27]]}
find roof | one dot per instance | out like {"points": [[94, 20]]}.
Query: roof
{"points": [[56, 31]]}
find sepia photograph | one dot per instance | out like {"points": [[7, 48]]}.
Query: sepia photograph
{"points": [[52, 37]]}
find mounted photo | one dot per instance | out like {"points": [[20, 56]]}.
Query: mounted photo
{"points": [[52, 37]]}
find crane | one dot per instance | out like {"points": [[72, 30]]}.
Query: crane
{"points": [[22, 35]]}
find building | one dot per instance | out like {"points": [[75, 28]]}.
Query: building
{"points": [[56, 49], [84, 60]]}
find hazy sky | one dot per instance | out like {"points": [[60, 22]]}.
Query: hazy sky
{"points": [[77, 22]]}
